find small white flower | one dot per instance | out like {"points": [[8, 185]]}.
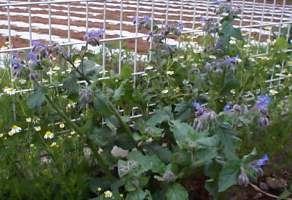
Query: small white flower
{"points": [[22, 81], [164, 91], [49, 135], [212, 57], [100, 150], [77, 62], [170, 73], [51, 72], [273, 92], [1, 135], [149, 68], [232, 42], [56, 68], [69, 70], [108, 194], [72, 133], [14, 129], [71, 105], [246, 46], [54, 144], [28, 120], [62, 125], [9, 91], [37, 128]]}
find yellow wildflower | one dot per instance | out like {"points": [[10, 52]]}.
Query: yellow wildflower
{"points": [[49, 135]]}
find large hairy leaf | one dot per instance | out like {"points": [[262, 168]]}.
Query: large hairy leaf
{"points": [[177, 192]]}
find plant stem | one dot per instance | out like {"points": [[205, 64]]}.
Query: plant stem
{"points": [[76, 69], [78, 130]]}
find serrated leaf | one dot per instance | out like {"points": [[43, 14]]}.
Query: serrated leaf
{"points": [[159, 117], [71, 84], [147, 162], [228, 175], [177, 192], [184, 134], [139, 195]]}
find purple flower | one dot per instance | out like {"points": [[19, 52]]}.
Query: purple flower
{"points": [[260, 162], [203, 20], [146, 19], [263, 102], [264, 121], [180, 26], [39, 49], [16, 62], [32, 56], [198, 107], [135, 19], [33, 76], [218, 45], [37, 44], [228, 107], [92, 37], [232, 60]]}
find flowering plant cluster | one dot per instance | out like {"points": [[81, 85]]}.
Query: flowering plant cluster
{"points": [[85, 133]]}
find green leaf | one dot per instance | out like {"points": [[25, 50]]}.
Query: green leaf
{"points": [[177, 192], [101, 105], [227, 137], [36, 99], [184, 134], [89, 67], [147, 162], [139, 195], [102, 136], [120, 91], [228, 175], [228, 30], [126, 72], [159, 117], [71, 84]]}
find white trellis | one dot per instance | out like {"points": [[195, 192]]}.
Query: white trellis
{"points": [[257, 17]]}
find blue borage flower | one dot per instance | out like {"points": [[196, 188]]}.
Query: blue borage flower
{"points": [[232, 60], [263, 121], [260, 162], [16, 62], [257, 165], [147, 19], [38, 52], [203, 20], [228, 107], [180, 26], [263, 102], [203, 116], [92, 37], [200, 109], [37, 45]]}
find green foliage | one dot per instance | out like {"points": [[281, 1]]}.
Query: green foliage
{"points": [[93, 134]]}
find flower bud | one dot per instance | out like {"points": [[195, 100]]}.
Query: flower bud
{"points": [[243, 179]]}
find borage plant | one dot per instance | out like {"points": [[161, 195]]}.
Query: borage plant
{"points": [[87, 133]]}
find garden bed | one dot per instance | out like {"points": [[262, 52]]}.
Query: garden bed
{"points": [[197, 123]]}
